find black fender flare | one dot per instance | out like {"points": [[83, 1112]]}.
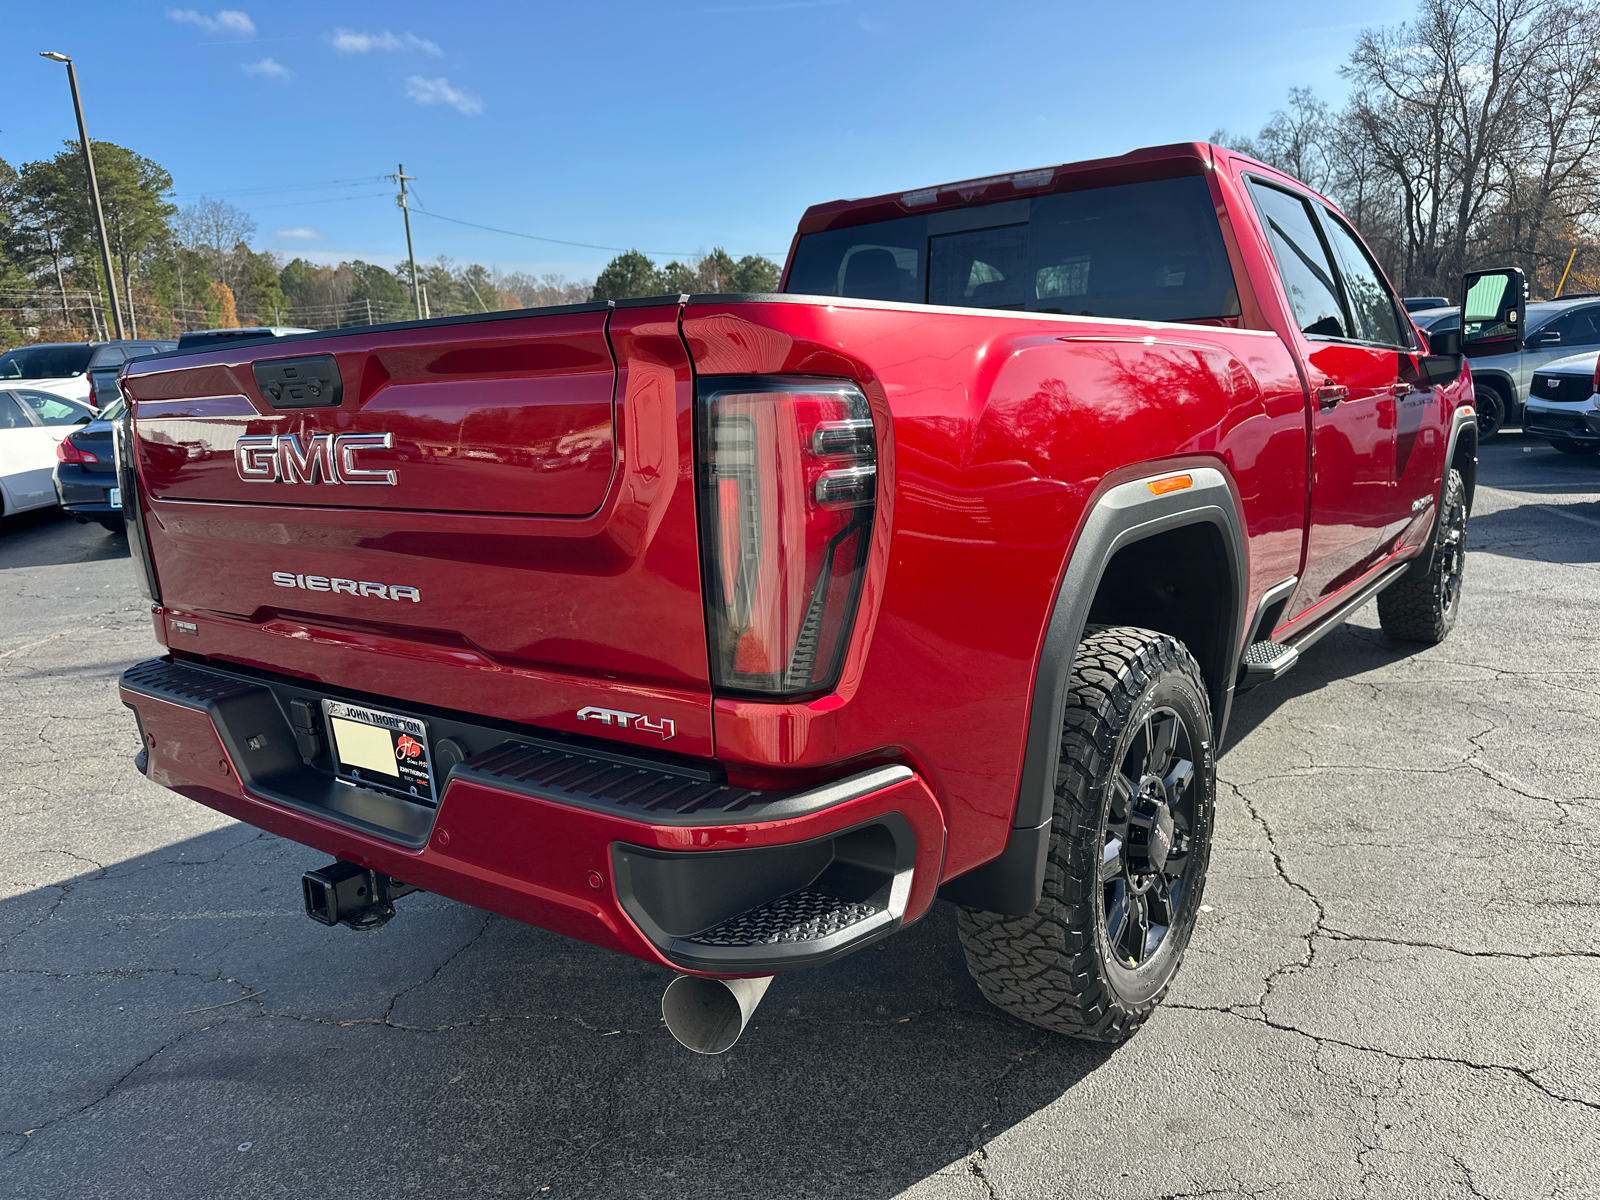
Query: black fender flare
{"points": [[1122, 515]]}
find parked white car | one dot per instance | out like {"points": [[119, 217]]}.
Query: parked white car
{"points": [[1564, 404], [31, 423]]}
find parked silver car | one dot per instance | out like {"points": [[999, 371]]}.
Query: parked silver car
{"points": [[1563, 405], [1503, 367]]}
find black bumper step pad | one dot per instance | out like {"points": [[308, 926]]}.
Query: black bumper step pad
{"points": [[661, 795], [803, 916]]}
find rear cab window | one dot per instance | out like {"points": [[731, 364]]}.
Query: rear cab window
{"points": [[1150, 251]]}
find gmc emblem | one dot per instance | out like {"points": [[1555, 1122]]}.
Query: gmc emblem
{"points": [[330, 458]]}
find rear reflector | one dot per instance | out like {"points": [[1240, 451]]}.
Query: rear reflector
{"points": [[1172, 483], [788, 487]]}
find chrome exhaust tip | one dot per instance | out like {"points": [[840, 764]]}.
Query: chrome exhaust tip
{"points": [[708, 1015]]}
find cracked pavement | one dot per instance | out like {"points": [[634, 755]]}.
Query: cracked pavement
{"points": [[1391, 992]]}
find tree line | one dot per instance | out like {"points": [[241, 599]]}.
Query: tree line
{"points": [[1468, 140], [180, 269]]}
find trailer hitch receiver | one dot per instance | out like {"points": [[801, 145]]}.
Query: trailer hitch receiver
{"points": [[343, 893]]}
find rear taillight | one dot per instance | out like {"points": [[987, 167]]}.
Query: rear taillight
{"points": [[1596, 385], [788, 486], [69, 453]]}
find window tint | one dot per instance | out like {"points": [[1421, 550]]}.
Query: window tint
{"points": [[12, 417], [45, 362], [53, 410], [1372, 306], [1144, 251], [1302, 262], [1580, 327], [110, 356]]}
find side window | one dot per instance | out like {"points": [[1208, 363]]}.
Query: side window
{"points": [[1302, 262], [12, 417], [110, 356], [1580, 327], [1372, 306], [52, 410]]}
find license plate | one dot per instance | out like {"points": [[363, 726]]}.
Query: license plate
{"points": [[380, 750], [116, 497]]}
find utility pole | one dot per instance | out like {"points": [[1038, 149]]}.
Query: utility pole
{"points": [[416, 287], [94, 188]]}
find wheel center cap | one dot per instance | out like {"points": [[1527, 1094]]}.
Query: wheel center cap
{"points": [[1149, 828]]}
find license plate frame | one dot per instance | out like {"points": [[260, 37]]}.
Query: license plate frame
{"points": [[115, 497], [358, 756]]}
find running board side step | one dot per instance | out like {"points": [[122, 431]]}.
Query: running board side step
{"points": [[1264, 662]]}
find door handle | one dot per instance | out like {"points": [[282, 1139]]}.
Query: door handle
{"points": [[1330, 394], [1400, 389]]}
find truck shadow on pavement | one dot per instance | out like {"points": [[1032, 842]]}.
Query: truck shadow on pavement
{"points": [[1347, 651], [181, 1029], [50, 538]]}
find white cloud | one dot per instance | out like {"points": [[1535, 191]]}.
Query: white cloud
{"points": [[300, 233], [268, 68], [348, 41], [439, 91], [229, 20]]}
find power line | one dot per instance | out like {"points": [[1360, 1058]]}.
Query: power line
{"points": [[280, 187], [534, 237]]}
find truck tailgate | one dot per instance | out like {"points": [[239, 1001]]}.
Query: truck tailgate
{"points": [[495, 515]]}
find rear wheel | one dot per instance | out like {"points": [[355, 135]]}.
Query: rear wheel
{"points": [[1575, 447], [1422, 605], [1130, 841], [1492, 406]]}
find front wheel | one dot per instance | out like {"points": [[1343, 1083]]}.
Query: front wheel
{"points": [[1130, 841], [1421, 606], [1491, 406]]}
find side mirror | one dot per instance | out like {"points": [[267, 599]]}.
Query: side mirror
{"points": [[1441, 367], [1494, 310]]}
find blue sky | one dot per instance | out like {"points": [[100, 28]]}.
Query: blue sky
{"points": [[673, 127]]}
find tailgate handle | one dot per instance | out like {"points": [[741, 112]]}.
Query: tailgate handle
{"points": [[309, 382]]}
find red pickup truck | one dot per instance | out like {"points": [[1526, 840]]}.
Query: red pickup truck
{"points": [[728, 631]]}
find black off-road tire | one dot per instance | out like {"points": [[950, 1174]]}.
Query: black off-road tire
{"points": [[1421, 606], [1057, 968]]}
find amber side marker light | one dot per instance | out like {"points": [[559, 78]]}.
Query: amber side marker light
{"points": [[1172, 483]]}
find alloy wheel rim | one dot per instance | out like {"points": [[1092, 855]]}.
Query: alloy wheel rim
{"points": [[1151, 799], [1454, 549]]}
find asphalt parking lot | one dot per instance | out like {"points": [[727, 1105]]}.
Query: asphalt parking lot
{"points": [[1392, 993]]}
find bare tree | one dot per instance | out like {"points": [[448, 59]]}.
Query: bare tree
{"points": [[216, 229]]}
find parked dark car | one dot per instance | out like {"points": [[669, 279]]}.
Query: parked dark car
{"points": [[86, 471], [1418, 303], [82, 371]]}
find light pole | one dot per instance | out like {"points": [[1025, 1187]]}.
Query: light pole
{"points": [[94, 188]]}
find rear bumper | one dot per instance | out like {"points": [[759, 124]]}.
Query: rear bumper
{"points": [[654, 860], [85, 492]]}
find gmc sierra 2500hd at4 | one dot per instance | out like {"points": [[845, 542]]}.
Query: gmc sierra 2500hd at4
{"points": [[727, 631]]}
